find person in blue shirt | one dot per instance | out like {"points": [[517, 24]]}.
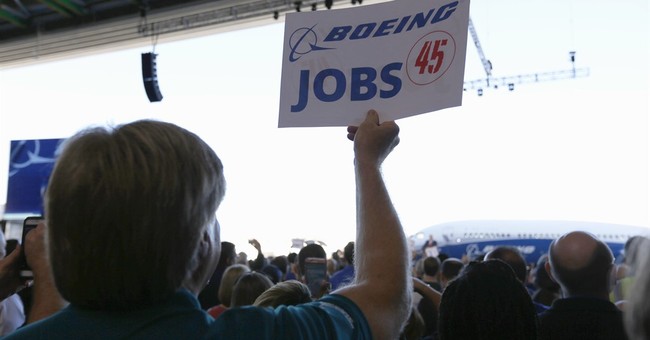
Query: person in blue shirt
{"points": [[346, 274], [133, 238]]}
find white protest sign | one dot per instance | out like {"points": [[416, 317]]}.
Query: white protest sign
{"points": [[401, 58]]}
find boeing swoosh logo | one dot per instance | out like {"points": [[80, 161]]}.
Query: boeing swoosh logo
{"points": [[303, 41], [472, 249], [33, 156]]}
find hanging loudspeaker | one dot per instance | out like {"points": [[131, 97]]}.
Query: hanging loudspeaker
{"points": [[150, 78]]}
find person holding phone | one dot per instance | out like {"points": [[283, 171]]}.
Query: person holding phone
{"points": [[31, 254], [312, 268]]}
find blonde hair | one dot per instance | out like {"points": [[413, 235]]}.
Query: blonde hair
{"points": [[288, 293], [228, 280]]}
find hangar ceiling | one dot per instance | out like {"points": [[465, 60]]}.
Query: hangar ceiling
{"points": [[34, 31]]}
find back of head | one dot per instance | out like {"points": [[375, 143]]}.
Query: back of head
{"points": [[547, 290], [272, 272], [126, 209], [310, 250], [487, 301], [348, 253], [451, 267], [228, 280], [418, 268], [282, 263], [581, 264], [513, 257], [431, 266], [228, 255], [248, 288], [292, 258], [542, 280], [286, 293]]}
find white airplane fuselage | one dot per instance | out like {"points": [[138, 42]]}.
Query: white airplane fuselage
{"points": [[532, 238]]}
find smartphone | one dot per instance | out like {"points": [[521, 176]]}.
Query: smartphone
{"points": [[315, 274], [30, 223]]}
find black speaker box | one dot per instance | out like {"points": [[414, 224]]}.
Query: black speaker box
{"points": [[150, 78]]}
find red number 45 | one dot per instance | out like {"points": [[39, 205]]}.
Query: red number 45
{"points": [[434, 55]]}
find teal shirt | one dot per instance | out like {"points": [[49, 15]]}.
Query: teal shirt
{"points": [[180, 317], [332, 317]]}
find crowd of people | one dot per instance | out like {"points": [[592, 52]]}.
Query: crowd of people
{"points": [[131, 248]]}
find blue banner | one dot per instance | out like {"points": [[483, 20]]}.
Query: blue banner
{"points": [[30, 165]]}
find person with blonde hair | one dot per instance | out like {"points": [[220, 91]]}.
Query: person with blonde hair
{"points": [[248, 287], [285, 293], [228, 280]]}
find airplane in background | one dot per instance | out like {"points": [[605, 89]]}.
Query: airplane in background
{"points": [[477, 237]]}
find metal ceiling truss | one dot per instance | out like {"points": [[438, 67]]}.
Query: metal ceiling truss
{"points": [[166, 24]]}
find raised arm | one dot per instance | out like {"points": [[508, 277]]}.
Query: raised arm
{"points": [[427, 292], [382, 286]]}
